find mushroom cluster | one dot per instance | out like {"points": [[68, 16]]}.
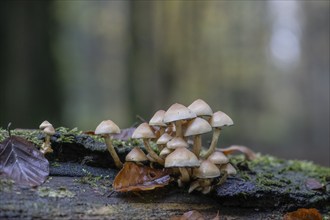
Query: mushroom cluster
{"points": [[170, 130]]}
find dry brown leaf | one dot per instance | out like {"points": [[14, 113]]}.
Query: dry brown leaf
{"points": [[303, 214]]}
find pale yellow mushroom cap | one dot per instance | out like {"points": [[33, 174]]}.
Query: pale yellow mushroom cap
{"points": [[207, 169], [181, 157], [136, 155], [107, 127], [220, 119], [164, 138], [166, 151], [44, 124], [49, 130], [157, 119], [218, 158], [176, 142], [178, 112], [197, 126], [200, 108], [228, 168], [143, 131]]}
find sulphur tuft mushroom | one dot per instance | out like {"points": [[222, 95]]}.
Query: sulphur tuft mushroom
{"points": [[201, 108], [136, 155], [196, 128], [49, 130], [226, 169], [218, 120], [176, 114], [218, 158], [157, 121], [105, 129], [144, 132], [206, 172], [182, 158]]}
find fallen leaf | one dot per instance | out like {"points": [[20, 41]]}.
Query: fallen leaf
{"points": [[303, 214], [133, 177], [22, 162], [313, 184]]}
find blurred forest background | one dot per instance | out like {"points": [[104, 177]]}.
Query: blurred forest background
{"points": [[264, 63]]}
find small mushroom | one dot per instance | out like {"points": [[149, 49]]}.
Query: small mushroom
{"points": [[49, 130], [44, 124], [218, 120], [145, 132], [218, 158], [176, 142], [136, 155], [166, 151], [226, 169], [182, 158], [205, 174], [157, 120], [196, 128], [105, 129], [201, 108], [177, 113], [162, 140]]}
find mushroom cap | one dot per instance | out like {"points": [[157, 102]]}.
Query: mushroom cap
{"points": [[228, 168], [207, 169], [157, 119], [181, 157], [218, 158], [166, 151], [107, 127], [178, 112], [177, 142], [200, 108], [143, 131], [49, 130], [136, 155], [197, 126], [164, 138], [220, 119], [44, 124]]}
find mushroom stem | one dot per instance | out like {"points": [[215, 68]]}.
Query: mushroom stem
{"points": [[197, 145], [46, 147], [112, 151], [222, 179], [193, 186], [184, 174], [215, 137], [178, 128], [152, 153]]}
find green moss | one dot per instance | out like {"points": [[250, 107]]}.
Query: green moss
{"points": [[29, 134], [289, 175], [61, 192], [101, 181]]}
